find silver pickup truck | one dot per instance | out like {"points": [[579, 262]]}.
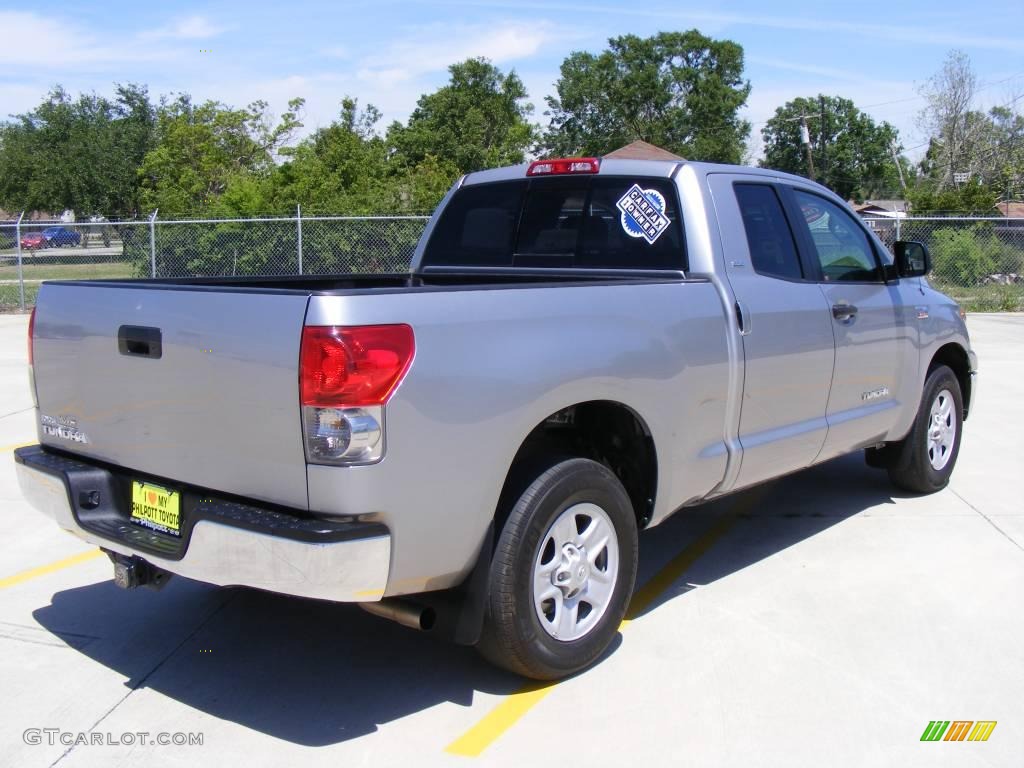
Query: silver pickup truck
{"points": [[581, 348]]}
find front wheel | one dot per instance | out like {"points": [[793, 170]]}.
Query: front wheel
{"points": [[923, 461], [562, 574]]}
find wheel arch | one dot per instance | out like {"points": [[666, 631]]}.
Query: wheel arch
{"points": [[954, 356], [607, 431]]}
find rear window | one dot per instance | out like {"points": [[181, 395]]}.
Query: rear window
{"points": [[600, 222]]}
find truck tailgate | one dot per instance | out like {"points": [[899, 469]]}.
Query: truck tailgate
{"points": [[216, 406]]}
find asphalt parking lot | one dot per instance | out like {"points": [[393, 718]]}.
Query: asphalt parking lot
{"points": [[822, 620]]}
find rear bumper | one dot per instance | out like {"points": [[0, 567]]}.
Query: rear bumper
{"points": [[223, 542]]}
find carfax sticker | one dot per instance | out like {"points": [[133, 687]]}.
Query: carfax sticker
{"points": [[643, 213]]}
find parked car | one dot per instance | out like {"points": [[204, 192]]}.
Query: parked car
{"points": [[33, 241], [583, 348], [58, 236]]}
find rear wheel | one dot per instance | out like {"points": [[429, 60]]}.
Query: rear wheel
{"points": [[923, 461], [562, 574]]}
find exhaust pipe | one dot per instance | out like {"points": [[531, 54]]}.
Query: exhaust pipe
{"points": [[403, 612]]}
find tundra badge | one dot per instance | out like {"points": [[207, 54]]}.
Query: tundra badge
{"points": [[65, 427]]}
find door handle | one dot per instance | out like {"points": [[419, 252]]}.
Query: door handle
{"points": [[743, 318], [140, 341], [844, 312]]}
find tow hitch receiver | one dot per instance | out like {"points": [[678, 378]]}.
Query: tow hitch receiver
{"points": [[132, 572]]}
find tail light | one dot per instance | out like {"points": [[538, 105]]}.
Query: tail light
{"points": [[565, 165], [32, 356], [346, 377], [31, 334]]}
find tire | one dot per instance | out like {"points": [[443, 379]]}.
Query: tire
{"points": [[551, 547], [923, 461]]}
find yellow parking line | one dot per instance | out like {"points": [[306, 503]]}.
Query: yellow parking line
{"points": [[488, 730], [508, 712], [42, 570], [5, 448], [675, 568]]}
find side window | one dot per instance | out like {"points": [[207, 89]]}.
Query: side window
{"points": [[769, 237], [842, 247]]}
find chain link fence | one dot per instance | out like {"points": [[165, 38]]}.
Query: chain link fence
{"points": [[34, 251], [977, 261]]}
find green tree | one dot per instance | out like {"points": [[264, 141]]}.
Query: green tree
{"points": [[347, 168], [335, 170], [852, 154], [1004, 159], [79, 153], [963, 256], [478, 120], [986, 146], [679, 90], [343, 168], [201, 149], [929, 197]]}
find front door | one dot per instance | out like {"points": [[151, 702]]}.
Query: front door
{"points": [[874, 339]]}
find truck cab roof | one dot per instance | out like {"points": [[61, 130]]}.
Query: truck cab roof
{"points": [[650, 168]]}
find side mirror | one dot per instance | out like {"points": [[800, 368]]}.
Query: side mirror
{"points": [[912, 258]]}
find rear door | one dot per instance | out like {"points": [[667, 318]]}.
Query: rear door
{"points": [[788, 345], [875, 340], [199, 386]]}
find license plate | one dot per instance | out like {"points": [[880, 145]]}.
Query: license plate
{"points": [[156, 507]]}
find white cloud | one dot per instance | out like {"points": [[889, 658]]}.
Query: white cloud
{"points": [[35, 42], [188, 28], [919, 32], [787, 65], [323, 94], [18, 98], [434, 47], [335, 52]]}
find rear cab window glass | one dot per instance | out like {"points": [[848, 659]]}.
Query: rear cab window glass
{"points": [[840, 244], [772, 248], [560, 222], [478, 229]]}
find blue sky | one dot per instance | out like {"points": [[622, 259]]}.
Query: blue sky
{"points": [[388, 53]]}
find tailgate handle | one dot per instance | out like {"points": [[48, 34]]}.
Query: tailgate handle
{"points": [[140, 341]]}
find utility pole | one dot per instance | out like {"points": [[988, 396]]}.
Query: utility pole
{"points": [[823, 133], [805, 138]]}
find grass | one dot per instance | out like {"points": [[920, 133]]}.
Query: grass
{"points": [[9, 299], [68, 271], [985, 298]]}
